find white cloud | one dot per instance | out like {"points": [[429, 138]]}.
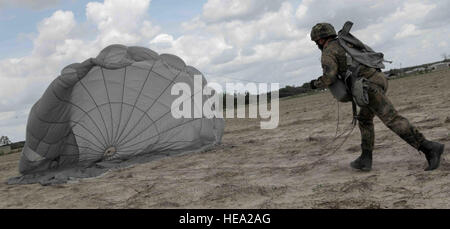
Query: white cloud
{"points": [[148, 30], [301, 11], [257, 43], [219, 10], [195, 50], [6, 115], [117, 14], [22, 80], [120, 21], [52, 32], [165, 39], [412, 11], [406, 31]]}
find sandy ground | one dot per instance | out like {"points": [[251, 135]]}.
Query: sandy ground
{"points": [[287, 167]]}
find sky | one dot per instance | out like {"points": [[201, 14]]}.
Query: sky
{"points": [[228, 40]]}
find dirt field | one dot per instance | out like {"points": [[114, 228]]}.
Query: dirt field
{"points": [[282, 168]]}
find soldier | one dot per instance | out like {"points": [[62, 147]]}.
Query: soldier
{"points": [[334, 64]]}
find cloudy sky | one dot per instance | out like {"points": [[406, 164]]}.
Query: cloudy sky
{"points": [[255, 40]]}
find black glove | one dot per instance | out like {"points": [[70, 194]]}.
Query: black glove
{"points": [[312, 84]]}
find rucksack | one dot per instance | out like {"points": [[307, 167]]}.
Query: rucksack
{"points": [[358, 54], [357, 50], [350, 87]]}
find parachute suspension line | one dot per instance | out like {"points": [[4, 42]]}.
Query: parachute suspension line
{"points": [[110, 140], [163, 115], [337, 124], [346, 133], [353, 124], [118, 140], [345, 139], [336, 135]]}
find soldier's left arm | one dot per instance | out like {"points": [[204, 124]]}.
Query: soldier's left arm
{"points": [[330, 69]]}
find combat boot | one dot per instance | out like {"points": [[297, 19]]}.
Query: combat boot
{"points": [[363, 162], [432, 151]]}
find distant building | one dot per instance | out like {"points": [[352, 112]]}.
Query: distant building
{"points": [[440, 66]]}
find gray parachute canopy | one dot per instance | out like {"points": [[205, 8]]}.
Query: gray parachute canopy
{"points": [[108, 110]]}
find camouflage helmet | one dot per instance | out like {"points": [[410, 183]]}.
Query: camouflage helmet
{"points": [[322, 30]]}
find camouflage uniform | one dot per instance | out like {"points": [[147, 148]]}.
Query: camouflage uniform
{"points": [[334, 63]]}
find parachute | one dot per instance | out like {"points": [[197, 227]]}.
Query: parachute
{"points": [[112, 110]]}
